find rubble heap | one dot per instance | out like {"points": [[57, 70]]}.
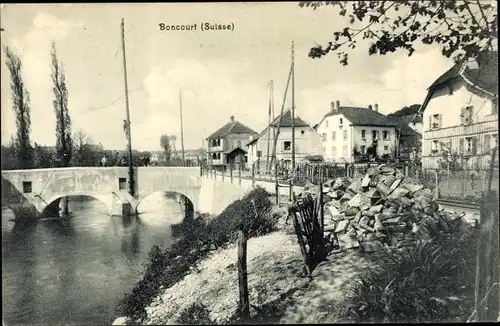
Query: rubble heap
{"points": [[382, 209]]}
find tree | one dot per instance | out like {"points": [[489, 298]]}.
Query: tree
{"points": [[63, 121], [21, 105], [464, 28], [42, 157], [173, 140], [9, 159], [83, 150], [165, 144]]}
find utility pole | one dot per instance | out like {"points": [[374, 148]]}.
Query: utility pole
{"points": [[293, 109], [127, 130], [269, 124], [182, 130]]}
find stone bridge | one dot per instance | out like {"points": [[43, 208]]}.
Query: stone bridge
{"points": [[28, 193]]}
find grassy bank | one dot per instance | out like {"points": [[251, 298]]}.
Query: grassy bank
{"points": [[198, 239]]}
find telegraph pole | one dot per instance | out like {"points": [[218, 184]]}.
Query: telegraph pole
{"points": [[293, 109], [127, 129], [182, 130]]}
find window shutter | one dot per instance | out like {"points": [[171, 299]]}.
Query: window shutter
{"points": [[462, 115], [461, 146], [474, 145], [439, 120], [487, 142]]}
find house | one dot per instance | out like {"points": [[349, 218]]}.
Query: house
{"points": [[195, 156], [226, 146], [409, 115], [307, 141], [460, 114], [352, 133]]}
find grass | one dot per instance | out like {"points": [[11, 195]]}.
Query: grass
{"points": [[430, 282], [168, 266]]}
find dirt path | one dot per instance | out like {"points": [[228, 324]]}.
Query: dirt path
{"points": [[276, 286]]}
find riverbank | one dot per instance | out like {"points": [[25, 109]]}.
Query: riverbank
{"points": [[278, 291]]}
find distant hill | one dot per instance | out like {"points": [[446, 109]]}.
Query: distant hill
{"points": [[406, 110]]}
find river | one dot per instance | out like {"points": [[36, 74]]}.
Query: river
{"points": [[74, 272]]}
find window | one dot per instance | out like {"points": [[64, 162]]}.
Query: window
{"points": [[215, 142], [334, 151], [487, 143], [259, 153], [27, 187], [435, 121], [345, 134], [323, 135], [344, 150], [287, 145], [122, 183], [334, 135], [238, 143], [326, 123], [385, 135], [246, 158], [494, 106], [363, 149], [374, 134], [466, 115], [470, 145], [434, 147], [386, 148], [363, 134], [341, 121], [494, 140], [214, 156], [302, 132]]}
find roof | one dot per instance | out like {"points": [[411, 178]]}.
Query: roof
{"points": [[229, 151], [404, 128], [232, 127], [408, 118], [485, 77], [286, 122], [362, 117]]}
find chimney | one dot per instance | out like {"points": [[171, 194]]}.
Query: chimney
{"points": [[332, 106], [370, 107], [231, 118], [376, 107], [337, 105]]}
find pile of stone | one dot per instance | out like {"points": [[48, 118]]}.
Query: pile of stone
{"points": [[382, 209]]}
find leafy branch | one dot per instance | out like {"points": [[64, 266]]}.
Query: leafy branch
{"points": [[463, 28]]}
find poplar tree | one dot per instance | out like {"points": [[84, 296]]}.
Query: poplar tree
{"points": [[21, 106], [64, 144]]}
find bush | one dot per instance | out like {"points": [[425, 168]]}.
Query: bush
{"points": [[196, 314], [429, 282], [166, 267]]}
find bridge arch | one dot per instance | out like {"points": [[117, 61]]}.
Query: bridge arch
{"points": [[189, 203], [106, 199]]}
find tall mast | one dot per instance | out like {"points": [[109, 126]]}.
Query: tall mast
{"points": [[293, 109], [182, 129], [269, 123], [127, 127]]}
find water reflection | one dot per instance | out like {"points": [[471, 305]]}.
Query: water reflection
{"points": [[74, 271]]}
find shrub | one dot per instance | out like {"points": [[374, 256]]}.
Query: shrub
{"points": [[429, 282], [196, 314], [167, 267]]}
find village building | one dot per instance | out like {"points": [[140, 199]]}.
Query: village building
{"points": [[460, 114], [355, 134], [307, 141], [226, 146]]}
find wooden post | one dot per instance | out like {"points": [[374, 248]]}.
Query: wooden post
{"points": [[290, 192], [277, 186], [242, 274], [239, 175], [253, 174], [223, 170], [231, 172]]}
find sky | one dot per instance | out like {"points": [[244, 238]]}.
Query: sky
{"points": [[220, 73]]}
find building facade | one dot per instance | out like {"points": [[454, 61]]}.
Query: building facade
{"points": [[460, 115], [307, 141], [353, 134], [226, 146]]}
